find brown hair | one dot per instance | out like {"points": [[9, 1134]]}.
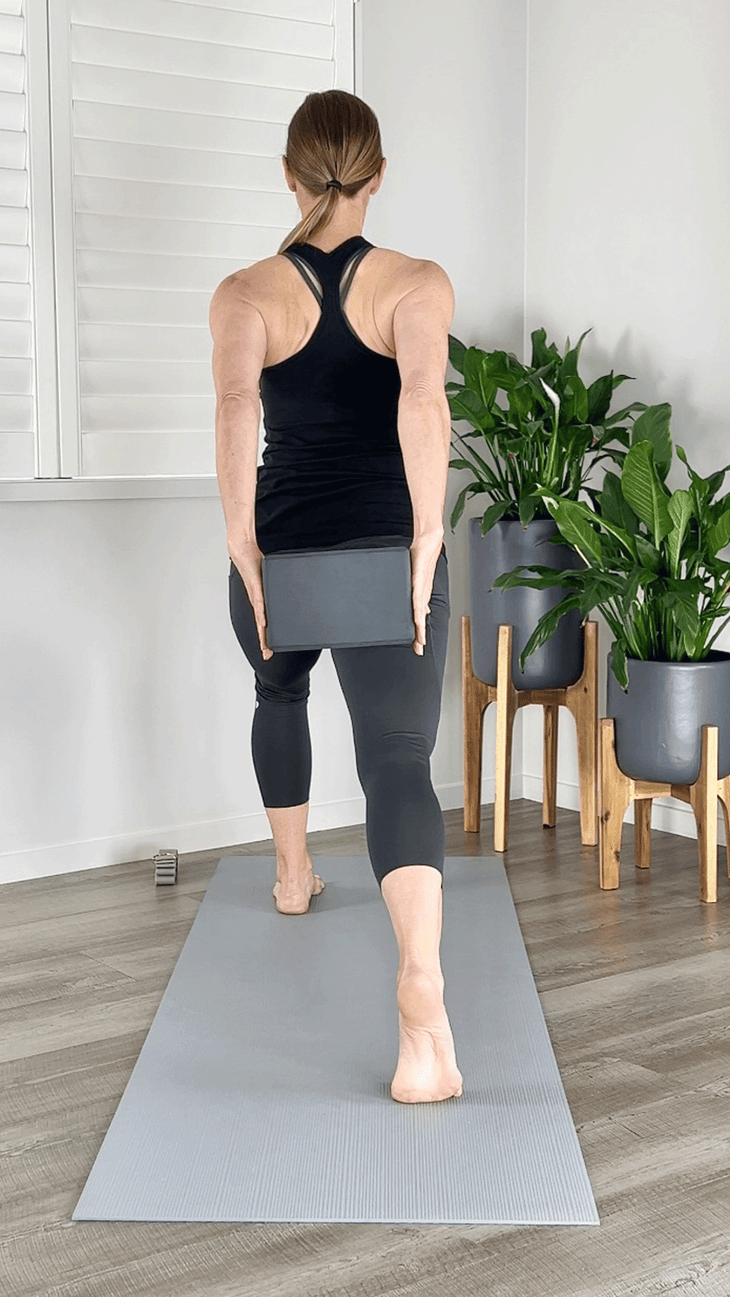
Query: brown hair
{"points": [[333, 135]]}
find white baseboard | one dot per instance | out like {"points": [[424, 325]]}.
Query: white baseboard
{"points": [[72, 857], [96, 853]]}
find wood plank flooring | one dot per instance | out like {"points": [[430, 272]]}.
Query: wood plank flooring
{"points": [[634, 984]]}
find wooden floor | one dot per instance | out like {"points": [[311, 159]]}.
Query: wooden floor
{"points": [[634, 984]]}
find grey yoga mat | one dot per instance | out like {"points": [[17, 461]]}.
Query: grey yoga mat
{"points": [[262, 1090]]}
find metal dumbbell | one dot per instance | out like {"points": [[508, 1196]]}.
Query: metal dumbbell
{"points": [[165, 868]]}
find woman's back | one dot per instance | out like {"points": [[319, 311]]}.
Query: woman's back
{"points": [[332, 465]]}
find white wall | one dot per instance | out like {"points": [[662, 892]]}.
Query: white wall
{"points": [[628, 196], [126, 701]]}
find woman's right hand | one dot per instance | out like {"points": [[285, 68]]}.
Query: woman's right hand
{"points": [[247, 559], [425, 551]]}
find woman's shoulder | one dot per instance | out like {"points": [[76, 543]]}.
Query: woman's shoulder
{"points": [[395, 273], [391, 259], [405, 259], [409, 273]]}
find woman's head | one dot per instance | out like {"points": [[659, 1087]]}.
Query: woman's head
{"points": [[333, 135]]}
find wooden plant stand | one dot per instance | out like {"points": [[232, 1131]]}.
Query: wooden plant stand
{"points": [[618, 790], [581, 698]]}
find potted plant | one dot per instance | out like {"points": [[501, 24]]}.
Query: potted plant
{"points": [[530, 424], [652, 567]]}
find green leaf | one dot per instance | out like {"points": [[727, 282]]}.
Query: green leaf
{"points": [[516, 577], [679, 602], [456, 354], [541, 353], [520, 400], [473, 357], [536, 380], [649, 557], [547, 625], [622, 436], [636, 578], [626, 541], [718, 535], [577, 408], [716, 480], [494, 513], [699, 483], [643, 490], [570, 362], [487, 472], [502, 369], [653, 426], [619, 664], [466, 404], [527, 506], [544, 579], [681, 509], [458, 508], [598, 588], [614, 507], [621, 414], [706, 487], [576, 528], [599, 396]]}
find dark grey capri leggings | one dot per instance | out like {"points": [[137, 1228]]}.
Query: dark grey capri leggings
{"points": [[394, 699]]}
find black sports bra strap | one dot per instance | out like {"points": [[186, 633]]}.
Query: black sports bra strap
{"points": [[349, 271], [307, 273], [329, 287]]}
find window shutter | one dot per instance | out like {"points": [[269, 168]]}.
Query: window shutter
{"points": [[17, 378], [175, 117]]}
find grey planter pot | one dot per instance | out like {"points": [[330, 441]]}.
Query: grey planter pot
{"points": [[658, 721], [559, 662]]}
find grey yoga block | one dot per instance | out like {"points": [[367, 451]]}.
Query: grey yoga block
{"points": [[338, 597]]}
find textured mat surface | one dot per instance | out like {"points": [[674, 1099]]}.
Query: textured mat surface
{"points": [[262, 1090]]}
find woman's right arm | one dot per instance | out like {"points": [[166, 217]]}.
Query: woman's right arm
{"points": [[421, 322]]}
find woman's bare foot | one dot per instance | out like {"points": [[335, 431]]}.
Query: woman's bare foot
{"points": [[292, 893], [426, 1070]]}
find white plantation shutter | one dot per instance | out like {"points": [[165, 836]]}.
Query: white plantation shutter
{"points": [[169, 121], [17, 374]]}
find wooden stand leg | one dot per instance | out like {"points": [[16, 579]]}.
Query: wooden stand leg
{"points": [[616, 794], [582, 700], [703, 799], [551, 714], [506, 708], [642, 832], [475, 699], [723, 793]]}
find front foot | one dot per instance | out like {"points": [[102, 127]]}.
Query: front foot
{"points": [[427, 1070], [293, 897]]}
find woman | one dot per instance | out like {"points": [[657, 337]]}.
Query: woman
{"points": [[346, 344]]}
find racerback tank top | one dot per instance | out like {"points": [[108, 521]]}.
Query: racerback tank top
{"points": [[332, 466]]}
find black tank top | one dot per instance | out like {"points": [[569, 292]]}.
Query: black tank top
{"points": [[332, 466]]}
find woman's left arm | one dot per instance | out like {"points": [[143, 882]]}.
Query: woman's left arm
{"points": [[239, 350]]}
